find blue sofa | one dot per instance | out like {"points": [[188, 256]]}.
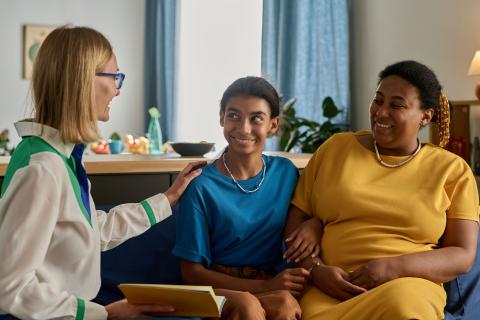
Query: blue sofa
{"points": [[143, 259], [148, 259], [463, 294]]}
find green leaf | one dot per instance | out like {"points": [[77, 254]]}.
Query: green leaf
{"points": [[294, 139], [115, 136], [308, 123], [304, 133], [284, 138], [289, 103], [291, 141], [326, 127], [330, 110]]}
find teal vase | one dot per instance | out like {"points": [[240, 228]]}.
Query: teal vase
{"points": [[154, 136]]}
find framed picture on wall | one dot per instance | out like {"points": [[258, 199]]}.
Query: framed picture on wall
{"points": [[33, 36]]}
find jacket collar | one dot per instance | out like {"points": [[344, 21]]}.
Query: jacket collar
{"points": [[51, 135]]}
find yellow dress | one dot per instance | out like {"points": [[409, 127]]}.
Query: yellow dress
{"points": [[370, 212]]}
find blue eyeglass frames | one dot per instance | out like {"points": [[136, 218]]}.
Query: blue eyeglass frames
{"points": [[119, 77]]}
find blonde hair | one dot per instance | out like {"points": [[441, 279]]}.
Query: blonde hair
{"points": [[63, 81]]}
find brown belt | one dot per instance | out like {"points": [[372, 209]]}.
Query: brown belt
{"points": [[245, 272]]}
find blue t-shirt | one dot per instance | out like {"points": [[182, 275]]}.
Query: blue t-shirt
{"points": [[219, 223]]}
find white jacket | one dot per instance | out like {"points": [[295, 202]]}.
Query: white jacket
{"points": [[49, 251]]}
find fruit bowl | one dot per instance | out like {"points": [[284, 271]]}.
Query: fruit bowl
{"points": [[192, 149]]}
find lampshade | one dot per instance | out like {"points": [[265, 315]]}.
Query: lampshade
{"points": [[474, 69]]}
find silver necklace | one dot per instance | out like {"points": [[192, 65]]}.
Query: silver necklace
{"points": [[388, 165], [264, 168]]}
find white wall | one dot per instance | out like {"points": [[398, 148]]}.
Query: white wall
{"points": [[121, 21], [443, 34], [219, 41]]}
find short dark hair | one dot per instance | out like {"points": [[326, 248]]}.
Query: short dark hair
{"points": [[253, 87], [420, 76]]}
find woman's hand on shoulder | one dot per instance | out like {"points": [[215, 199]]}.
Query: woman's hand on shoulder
{"points": [[374, 273], [190, 172], [304, 241], [123, 310], [334, 281]]}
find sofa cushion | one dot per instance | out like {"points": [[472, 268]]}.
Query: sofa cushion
{"points": [[463, 294]]}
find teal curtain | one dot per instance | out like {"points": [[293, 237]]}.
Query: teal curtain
{"points": [[305, 53], [160, 60]]}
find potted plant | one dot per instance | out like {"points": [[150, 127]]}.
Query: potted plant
{"points": [[5, 149], [116, 144], [304, 134]]}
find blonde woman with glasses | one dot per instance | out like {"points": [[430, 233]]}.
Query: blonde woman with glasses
{"points": [[51, 234]]}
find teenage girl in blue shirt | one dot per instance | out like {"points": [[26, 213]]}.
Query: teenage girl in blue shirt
{"points": [[231, 218]]}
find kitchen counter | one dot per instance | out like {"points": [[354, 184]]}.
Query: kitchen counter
{"points": [[134, 163], [126, 178]]}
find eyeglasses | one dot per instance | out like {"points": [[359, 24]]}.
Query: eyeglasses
{"points": [[119, 77]]}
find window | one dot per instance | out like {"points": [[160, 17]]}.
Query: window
{"points": [[219, 41]]}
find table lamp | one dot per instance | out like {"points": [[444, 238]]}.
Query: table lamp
{"points": [[474, 70]]}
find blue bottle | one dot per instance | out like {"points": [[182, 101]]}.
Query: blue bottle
{"points": [[154, 132]]}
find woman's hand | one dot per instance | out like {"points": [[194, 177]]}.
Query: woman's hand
{"points": [[334, 281], [121, 310], [280, 304], [190, 172], [292, 280], [374, 273], [304, 241], [241, 305]]}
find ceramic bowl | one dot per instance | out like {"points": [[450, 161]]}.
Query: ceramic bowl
{"points": [[192, 149]]}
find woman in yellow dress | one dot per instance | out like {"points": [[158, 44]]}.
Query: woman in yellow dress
{"points": [[397, 217]]}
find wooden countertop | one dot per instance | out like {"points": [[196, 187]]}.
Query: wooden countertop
{"points": [[133, 163]]}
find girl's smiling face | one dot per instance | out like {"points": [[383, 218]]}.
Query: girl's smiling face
{"points": [[247, 123]]}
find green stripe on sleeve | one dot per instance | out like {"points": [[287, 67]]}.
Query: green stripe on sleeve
{"points": [[149, 211], [80, 309], [19, 159]]}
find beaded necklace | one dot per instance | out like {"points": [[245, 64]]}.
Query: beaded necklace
{"points": [[388, 165]]}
